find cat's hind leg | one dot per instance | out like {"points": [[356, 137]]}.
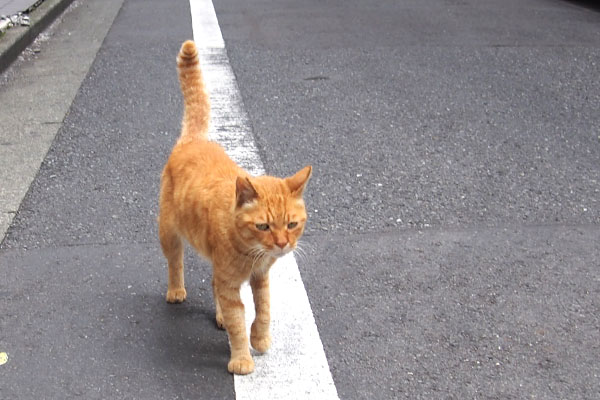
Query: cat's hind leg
{"points": [[172, 247], [218, 312]]}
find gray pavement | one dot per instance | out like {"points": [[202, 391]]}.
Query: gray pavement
{"points": [[36, 96], [14, 40], [452, 248], [10, 7], [83, 311], [454, 205]]}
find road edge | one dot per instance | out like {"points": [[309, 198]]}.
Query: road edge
{"points": [[17, 38], [21, 159]]}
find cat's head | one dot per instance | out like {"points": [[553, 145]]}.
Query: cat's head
{"points": [[270, 214]]}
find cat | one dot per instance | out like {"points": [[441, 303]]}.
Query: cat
{"points": [[241, 223]]}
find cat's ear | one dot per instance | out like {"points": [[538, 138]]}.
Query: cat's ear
{"points": [[298, 181], [244, 191]]}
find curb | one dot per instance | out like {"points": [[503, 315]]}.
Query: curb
{"points": [[17, 38]]}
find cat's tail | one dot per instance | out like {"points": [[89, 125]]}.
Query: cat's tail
{"points": [[196, 114]]}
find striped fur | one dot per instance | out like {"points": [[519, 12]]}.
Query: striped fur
{"points": [[242, 224]]}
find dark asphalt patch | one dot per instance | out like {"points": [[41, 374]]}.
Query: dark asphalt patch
{"points": [[494, 313], [92, 321]]}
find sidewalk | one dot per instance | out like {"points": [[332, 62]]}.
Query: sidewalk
{"points": [[17, 38], [10, 7]]}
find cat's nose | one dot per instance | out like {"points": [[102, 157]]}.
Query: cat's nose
{"points": [[281, 243]]}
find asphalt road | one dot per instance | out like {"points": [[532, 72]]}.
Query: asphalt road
{"points": [[455, 199], [83, 275], [454, 219]]}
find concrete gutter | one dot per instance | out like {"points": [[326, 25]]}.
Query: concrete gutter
{"points": [[38, 95], [17, 38]]}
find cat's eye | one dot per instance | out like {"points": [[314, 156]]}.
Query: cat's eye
{"points": [[262, 227], [292, 225]]}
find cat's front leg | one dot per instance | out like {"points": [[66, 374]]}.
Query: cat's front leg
{"points": [[259, 333], [232, 309]]}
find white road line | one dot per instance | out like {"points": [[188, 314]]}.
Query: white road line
{"points": [[205, 25], [295, 367]]}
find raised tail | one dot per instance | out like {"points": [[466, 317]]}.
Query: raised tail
{"points": [[196, 114]]}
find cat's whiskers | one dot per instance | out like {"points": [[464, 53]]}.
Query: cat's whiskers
{"points": [[301, 251], [258, 254], [306, 245]]}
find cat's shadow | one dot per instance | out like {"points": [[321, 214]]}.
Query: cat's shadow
{"points": [[172, 338], [187, 332], [589, 4], [187, 336], [178, 345], [171, 341]]}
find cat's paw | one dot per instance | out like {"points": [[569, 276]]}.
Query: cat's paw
{"points": [[260, 341], [241, 365], [176, 295], [220, 321]]}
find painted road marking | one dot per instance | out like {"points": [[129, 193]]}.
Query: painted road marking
{"points": [[295, 367], [205, 26]]}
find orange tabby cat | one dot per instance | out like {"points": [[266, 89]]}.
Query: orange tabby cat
{"points": [[239, 222]]}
